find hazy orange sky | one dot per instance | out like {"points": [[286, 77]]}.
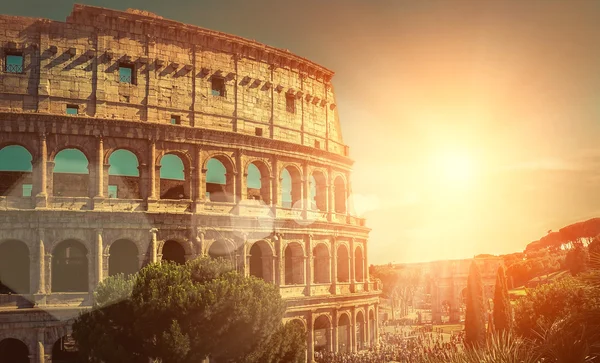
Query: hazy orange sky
{"points": [[474, 125]]}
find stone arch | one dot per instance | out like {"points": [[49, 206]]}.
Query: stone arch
{"points": [[223, 248], [173, 251], [359, 264], [339, 194], [124, 175], [294, 263], [322, 333], [343, 264], [14, 267], [322, 264], [318, 191], [299, 322], [16, 166], [70, 267], [123, 258], [258, 181], [261, 261], [360, 330], [65, 350], [13, 351], [174, 175], [220, 178], [344, 331], [71, 175], [291, 186]]}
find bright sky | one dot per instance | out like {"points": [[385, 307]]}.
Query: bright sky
{"points": [[474, 125]]}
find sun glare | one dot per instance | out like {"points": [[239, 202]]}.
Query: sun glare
{"points": [[454, 168]]}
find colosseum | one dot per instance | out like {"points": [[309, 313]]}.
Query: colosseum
{"points": [[128, 139]]}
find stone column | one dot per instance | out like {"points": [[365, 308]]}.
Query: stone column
{"points": [[330, 194], [309, 263], [366, 267], [334, 324], [199, 192], [152, 171], [275, 186], [352, 269], [334, 265], [367, 328], [40, 353], [305, 189], [278, 260], [353, 344], [39, 288], [42, 180], [99, 254], [310, 344], [48, 274], [246, 255], [153, 245], [100, 169], [240, 178], [376, 312]]}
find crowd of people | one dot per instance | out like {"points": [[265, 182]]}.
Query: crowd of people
{"points": [[403, 344]]}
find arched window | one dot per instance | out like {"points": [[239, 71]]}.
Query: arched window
{"points": [[15, 171], [71, 176], [343, 262], [258, 182], [358, 264], [321, 266], [340, 195], [344, 340], [219, 180], [14, 267], [174, 252], [318, 192], [321, 334], [13, 351], [294, 264], [261, 261], [360, 331], [291, 187], [123, 258], [65, 351], [123, 175], [172, 178], [69, 267]]}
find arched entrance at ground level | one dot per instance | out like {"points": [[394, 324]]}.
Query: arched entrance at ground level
{"points": [[321, 264], [261, 261], [14, 267], [371, 328], [123, 258], [360, 331], [294, 264], [321, 334], [344, 341], [174, 252], [69, 267], [224, 249], [65, 351], [13, 351], [343, 262]]}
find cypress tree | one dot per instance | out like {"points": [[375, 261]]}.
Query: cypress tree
{"points": [[475, 314], [502, 308]]}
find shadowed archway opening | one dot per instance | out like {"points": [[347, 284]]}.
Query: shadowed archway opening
{"points": [[224, 249], [321, 334], [321, 264], [291, 187], [339, 195], [13, 351], [15, 171], [318, 192], [219, 180], [359, 265], [360, 331], [123, 175], [71, 175], [173, 183], [173, 251], [123, 258], [294, 264], [258, 182], [65, 351], [70, 267], [261, 261], [344, 334], [14, 267], [343, 262]]}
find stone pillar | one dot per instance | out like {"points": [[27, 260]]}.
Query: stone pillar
{"points": [[152, 172], [245, 255], [352, 269], [367, 328], [366, 267], [100, 169], [278, 260], [305, 189], [48, 274], [275, 186], [330, 194], [353, 345], [334, 324], [199, 192], [42, 179], [153, 245], [40, 356], [309, 263], [99, 257], [333, 265], [376, 327], [310, 344], [40, 287]]}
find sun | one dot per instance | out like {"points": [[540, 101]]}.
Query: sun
{"points": [[454, 168]]}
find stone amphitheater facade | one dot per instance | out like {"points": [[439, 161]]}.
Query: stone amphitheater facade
{"points": [[75, 93]]}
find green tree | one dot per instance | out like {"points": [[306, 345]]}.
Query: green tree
{"points": [[502, 309], [577, 259], [180, 314], [287, 344], [475, 309]]}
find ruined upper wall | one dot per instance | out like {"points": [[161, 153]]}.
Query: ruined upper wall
{"points": [[76, 63]]}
